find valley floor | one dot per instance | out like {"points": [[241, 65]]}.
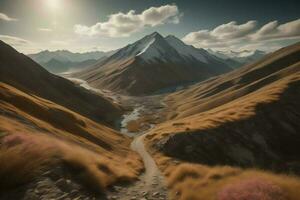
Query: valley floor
{"points": [[171, 178], [142, 115]]}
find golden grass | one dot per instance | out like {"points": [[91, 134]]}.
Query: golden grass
{"points": [[225, 88], [134, 126], [39, 134], [240, 109], [141, 123], [24, 156], [187, 181], [21, 163]]}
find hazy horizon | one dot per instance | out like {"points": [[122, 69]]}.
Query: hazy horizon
{"points": [[85, 26]]}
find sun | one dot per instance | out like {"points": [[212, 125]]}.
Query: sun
{"points": [[53, 4]]}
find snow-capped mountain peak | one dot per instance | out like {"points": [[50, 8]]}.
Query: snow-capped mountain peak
{"points": [[186, 50], [149, 49], [155, 48]]}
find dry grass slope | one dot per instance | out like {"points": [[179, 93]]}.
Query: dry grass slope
{"points": [[37, 134], [222, 129]]}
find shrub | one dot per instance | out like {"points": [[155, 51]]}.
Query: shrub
{"points": [[252, 189]]}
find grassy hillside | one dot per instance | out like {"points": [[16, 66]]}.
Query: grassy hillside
{"points": [[24, 74], [53, 135], [38, 135], [223, 133]]}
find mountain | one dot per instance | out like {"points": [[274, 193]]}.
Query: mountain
{"points": [[239, 128], [237, 59], [21, 72], [56, 66], [65, 56], [53, 136], [151, 64], [62, 60]]}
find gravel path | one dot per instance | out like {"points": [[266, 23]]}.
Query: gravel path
{"points": [[151, 183]]}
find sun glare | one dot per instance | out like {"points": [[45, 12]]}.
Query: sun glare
{"points": [[53, 4]]}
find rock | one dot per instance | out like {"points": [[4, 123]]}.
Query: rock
{"points": [[117, 188], [63, 197], [155, 194], [63, 185], [74, 193], [46, 173], [144, 193]]}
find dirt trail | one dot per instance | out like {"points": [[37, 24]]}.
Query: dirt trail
{"points": [[151, 183], [151, 170]]}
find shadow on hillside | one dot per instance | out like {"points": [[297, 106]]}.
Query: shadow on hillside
{"points": [[270, 139]]}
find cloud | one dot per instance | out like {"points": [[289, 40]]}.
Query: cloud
{"points": [[124, 24], [233, 35], [7, 18], [273, 30], [233, 31], [14, 41], [221, 35], [59, 42], [45, 29]]}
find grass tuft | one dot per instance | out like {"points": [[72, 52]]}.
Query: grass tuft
{"points": [[254, 189]]}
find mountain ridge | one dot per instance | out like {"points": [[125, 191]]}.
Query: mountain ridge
{"points": [[26, 75], [150, 64]]}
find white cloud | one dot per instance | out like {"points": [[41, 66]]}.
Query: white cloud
{"points": [[124, 24], [45, 29], [233, 31], [7, 18], [221, 35], [14, 41], [233, 35], [273, 30]]}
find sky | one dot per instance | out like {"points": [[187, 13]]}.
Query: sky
{"points": [[31, 26]]}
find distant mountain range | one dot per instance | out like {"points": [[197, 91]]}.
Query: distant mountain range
{"points": [[63, 60], [239, 58], [153, 63], [57, 67], [66, 56]]}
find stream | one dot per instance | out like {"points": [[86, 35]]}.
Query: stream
{"points": [[151, 183]]}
